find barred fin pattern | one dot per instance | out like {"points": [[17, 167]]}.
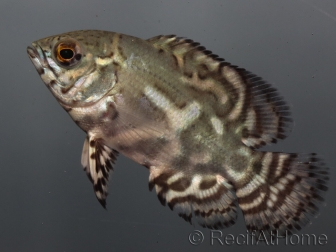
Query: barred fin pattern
{"points": [[196, 116], [251, 105], [268, 116], [210, 199], [284, 192], [98, 160]]}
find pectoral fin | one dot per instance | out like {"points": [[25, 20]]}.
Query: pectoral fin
{"points": [[98, 160]]}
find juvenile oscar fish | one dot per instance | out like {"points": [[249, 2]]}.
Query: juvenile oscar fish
{"points": [[193, 119]]}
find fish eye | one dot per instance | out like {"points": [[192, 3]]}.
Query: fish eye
{"points": [[67, 52]]}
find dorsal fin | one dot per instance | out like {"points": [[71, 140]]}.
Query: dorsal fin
{"points": [[256, 111]]}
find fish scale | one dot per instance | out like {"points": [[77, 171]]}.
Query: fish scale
{"points": [[193, 119]]}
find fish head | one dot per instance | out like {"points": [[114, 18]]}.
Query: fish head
{"points": [[67, 64]]}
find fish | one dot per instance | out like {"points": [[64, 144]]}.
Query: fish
{"points": [[194, 120]]}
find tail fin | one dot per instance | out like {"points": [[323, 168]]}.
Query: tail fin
{"points": [[283, 193]]}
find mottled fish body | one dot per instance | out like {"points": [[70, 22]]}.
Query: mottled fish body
{"points": [[194, 120]]}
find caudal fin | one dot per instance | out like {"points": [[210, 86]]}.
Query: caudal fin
{"points": [[284, 192]]}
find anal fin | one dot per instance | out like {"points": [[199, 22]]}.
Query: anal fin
{"points": [[97, 161], [207, 198]]}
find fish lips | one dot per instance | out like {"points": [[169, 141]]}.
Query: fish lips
{"points": [[37, 57]]}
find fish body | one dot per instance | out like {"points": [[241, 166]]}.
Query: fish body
{"points": [[193, 119]]}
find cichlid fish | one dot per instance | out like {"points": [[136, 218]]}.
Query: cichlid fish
{"points": [[193, 119]]}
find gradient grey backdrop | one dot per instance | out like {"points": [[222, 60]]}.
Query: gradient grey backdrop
{"points": [[47, 202]]}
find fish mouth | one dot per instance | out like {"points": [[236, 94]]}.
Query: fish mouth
{"points": [[37, 57], [63, 93]]}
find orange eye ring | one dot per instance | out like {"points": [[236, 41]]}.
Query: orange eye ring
{"points": [[67, 53]]}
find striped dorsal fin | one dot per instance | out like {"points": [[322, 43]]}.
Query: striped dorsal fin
{"points": [[248, 104]]}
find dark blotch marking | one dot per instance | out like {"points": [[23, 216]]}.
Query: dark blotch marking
{"points": [[107, 56], [40, 70], [161, 180], [78, 56], [180, 185], [102, 181], [103, 69], [33, 56], [245, 133], [112, 112], [202, 71], [221, 65], [175, 60], [186, 217], [274, 140], [98, 166], [195, 44], [116, 76], [192, 198], [217, 212], [98, 187], [188, 41], [92, 143], [181, 105], [207, 52], [121, 52], [170, 206], [161, 199], [151, 184], [115, 115], [188, 74], [93, 155], [109, 164], [115, 64], [257, 166], [104, 171], [52, 82], [201, 48], [251, 197], [207, 183]]}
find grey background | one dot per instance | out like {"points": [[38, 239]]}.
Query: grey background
{"points": [[47, 203]]}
